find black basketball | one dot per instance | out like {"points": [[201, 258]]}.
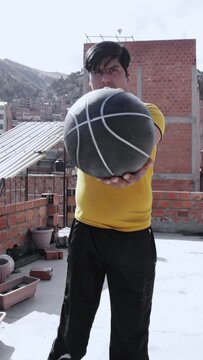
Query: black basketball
{"points": [[108, 132]]}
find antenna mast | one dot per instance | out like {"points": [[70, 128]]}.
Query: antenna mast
{"points": [[118, 37]]}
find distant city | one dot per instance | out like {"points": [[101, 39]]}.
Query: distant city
{"points": [[28, 94]]}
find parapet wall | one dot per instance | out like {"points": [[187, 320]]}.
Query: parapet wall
{"points": [[177, 211], [173, 212]]}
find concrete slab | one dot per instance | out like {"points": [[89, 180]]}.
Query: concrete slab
{"points": [[176, 330]]}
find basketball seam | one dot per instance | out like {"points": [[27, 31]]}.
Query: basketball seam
{"points": [[115, 134], [95, 142], [105, 117]]}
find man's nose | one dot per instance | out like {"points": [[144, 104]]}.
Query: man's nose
{"points": [[106, 79]]}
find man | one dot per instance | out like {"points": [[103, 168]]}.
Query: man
{"points": [[111, 236]]}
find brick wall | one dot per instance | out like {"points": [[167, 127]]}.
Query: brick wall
{"points": [[14, 191], [173, 211], [164, 73], [177, 211], [17, 219], [195, 199], [164, 68]]}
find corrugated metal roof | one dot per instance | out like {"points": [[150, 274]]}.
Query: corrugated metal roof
{"points": [[26, 144]]}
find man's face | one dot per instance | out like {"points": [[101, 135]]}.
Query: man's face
{"points": [[110, 73]]}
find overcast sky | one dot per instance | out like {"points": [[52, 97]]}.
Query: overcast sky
{"points": [[49, 34]]}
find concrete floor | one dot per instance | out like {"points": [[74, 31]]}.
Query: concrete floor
{"points": [[176, 330]]}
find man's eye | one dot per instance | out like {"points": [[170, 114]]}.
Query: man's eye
{"points": [[97, 71], [113, 70]]}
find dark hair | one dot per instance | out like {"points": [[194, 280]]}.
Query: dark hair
{"points": [[106, 49]]}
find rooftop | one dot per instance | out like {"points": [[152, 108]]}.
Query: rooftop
{"points": [[176, 329], [26, 144]]}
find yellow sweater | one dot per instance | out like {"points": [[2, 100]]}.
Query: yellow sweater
{"points": [[123, 209]]}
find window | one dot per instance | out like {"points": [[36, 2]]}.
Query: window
{"points": [[71, 192]]}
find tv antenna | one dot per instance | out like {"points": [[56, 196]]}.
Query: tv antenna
{"points": [[105, 37]]}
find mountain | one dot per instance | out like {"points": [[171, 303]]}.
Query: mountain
{"points": [[69, 88], [20, 81]]}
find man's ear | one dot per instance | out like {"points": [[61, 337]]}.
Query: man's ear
{"points": [[90, 84]]}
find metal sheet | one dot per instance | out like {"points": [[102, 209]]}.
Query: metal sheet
{"points": [[26, 144]]}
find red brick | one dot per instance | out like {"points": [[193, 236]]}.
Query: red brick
{"points": [[184, 195], [20, 206], [53, 254], [172, 213], [52, 209], [157, 194], [22, 227], [183, 213], [12, 219], [71, 200], [31, 224], [39, 202], [3, 222], [171, 195], [195, 214], [197, 195], [154, 204], [29, 204], [3, 235], [21, 218], [36, 212], [163, 204], [158, 212], [10, 209], [12, 232], [188, 204], [29, 214], [43, 273], [177, 204], [199, 205]]}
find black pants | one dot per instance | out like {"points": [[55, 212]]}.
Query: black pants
{"points": [[128, 260]]}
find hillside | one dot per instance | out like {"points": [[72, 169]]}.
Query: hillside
{"points": [[19, 81], [69, 88]]}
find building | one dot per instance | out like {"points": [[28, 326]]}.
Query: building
{"points": [[5, 117], [164, 72]]}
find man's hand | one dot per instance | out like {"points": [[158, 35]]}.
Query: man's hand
{"points": [[127, 179]]}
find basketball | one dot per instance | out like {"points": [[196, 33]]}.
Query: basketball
{"points": [[108, 132]]}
